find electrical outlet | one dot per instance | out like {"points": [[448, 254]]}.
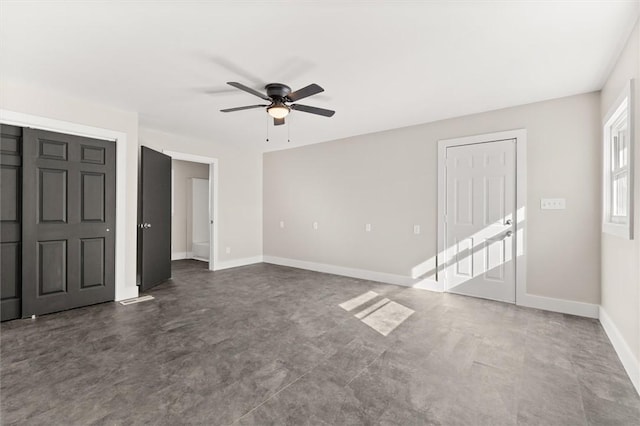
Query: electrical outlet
{"points": [[552, 204], [315, 225], [367, 227], [416, 229], [228, 250], [282, 224]]}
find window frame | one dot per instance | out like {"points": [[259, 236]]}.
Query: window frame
{"points": [[618, 225]]}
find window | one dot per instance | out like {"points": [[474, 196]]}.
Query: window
{"points": [[618, 167]]}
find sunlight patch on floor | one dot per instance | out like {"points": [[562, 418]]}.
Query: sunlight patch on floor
{"points": [[383, 316], [350, 305], [372, 308], [388, 317]]}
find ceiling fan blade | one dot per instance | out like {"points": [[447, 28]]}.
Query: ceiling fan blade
{"points": [[248, 90], [241, 108], [278, 121], [310, 90], [313, 110]]}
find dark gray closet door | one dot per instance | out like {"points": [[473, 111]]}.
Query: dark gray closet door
{"points": [[154, 229], [68, 221], [10, 218]]}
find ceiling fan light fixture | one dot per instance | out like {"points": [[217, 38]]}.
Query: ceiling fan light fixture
{"points": [[279, 95], [278, 111]]}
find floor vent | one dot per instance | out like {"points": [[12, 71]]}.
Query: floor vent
{"points": [[136, 300]]}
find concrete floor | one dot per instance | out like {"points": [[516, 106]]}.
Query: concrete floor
{"points": [[265, 344]]}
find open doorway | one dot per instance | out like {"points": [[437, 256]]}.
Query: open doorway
{"points": [[193, 207], [190, 236]]}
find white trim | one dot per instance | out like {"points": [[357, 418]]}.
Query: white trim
{"points": [[213, 199], [179, 255], [122, 291], [520, 136], [423, 268], [234, 263], [362, 274], [183, 156], [617, 229], [629, 361], [625, 100], [528, 300], [571, 307], [429, 284]]}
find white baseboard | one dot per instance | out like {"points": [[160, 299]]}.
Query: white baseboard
{"points": [[362, 274], [234, 263], [179, 255], [424, 268], [529, 300], [628, 359], [563, 306], [429, 284]]}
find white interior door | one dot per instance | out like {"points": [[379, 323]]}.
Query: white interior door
{"points": [[480, 220]]}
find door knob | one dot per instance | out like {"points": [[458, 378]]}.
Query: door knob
{"points": [[508, 222], [509, 233]]}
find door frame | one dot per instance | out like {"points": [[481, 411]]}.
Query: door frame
{"points": [[520, 136], [122, 290], [213, 198]]}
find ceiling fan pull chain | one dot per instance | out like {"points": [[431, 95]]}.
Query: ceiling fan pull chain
{"points": [[267, 129], [289, 130]]}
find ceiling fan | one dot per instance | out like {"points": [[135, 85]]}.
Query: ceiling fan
{"points": [[280, 95]]}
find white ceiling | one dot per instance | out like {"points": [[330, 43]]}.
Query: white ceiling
{"points": [[383, 64]]}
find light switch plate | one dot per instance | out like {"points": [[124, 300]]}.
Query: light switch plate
{"points": [[315, 225], [282, 224], [367, 227], [416, 229], [552, 204]]}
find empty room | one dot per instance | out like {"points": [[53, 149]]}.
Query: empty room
{"points": [[320, 212]]}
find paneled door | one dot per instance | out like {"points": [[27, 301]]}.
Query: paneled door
{"points": [[480, 220], [154, 228], [69, 221], [10, 222]]}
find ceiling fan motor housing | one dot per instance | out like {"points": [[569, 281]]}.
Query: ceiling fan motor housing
{"points": [[277, 91]]}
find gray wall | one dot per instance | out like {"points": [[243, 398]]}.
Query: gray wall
{"points": [[239, 190], [388, 179], [181, 228], [621, 257]]}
